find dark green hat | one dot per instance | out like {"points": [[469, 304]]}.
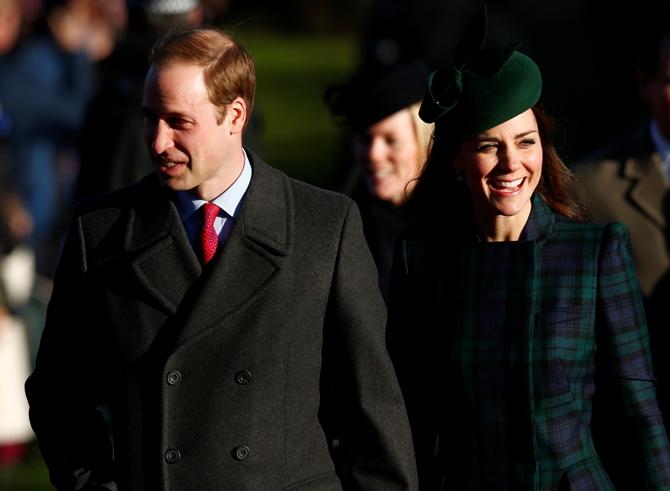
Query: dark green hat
{"points": [[484, 87]]}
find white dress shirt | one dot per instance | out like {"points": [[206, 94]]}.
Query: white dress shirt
{"points": [[228, 203]]}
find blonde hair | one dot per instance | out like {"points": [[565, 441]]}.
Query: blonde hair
{"points": [[424, 134], [424, 139]]}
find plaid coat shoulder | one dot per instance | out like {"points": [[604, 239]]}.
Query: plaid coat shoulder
{"points": [[584, 412]]}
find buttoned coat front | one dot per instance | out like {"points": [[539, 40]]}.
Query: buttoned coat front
{"points": [[577, 390], [268, 370]]}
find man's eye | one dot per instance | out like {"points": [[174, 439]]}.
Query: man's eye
{"points": [[178, 123]]}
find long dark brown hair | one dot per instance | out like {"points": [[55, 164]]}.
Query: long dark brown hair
{"points": [[438, 187]]}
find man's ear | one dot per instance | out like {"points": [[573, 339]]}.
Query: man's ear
{"points": [[237, 112]]}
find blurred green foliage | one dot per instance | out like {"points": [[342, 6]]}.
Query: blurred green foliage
{"points": [[293, 71], [29, 475]]}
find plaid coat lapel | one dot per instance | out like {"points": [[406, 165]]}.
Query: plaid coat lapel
{"points": [[589, 342], [561, 351]]}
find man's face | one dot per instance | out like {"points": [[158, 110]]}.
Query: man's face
{"points": [[193, 147], [656, 90]]}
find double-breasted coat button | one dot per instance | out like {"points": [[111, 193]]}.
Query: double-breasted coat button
{"points": [[241, 453], [173, 377], [172, 455], [243, 377]]}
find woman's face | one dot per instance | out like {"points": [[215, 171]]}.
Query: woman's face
{"points": [[502, 167], [389, 154]]}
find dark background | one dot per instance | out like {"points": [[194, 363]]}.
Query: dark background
{"points": [[584, 47]]}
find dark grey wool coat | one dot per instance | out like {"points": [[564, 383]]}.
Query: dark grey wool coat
{"points": [[266, 371]]}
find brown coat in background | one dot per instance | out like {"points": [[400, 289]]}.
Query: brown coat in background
{"points": [[625, 183]]}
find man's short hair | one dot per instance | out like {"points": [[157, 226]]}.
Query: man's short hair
{"points": [[229, 70]]}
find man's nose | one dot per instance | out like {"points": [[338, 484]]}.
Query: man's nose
{"points": [[161, 139]]}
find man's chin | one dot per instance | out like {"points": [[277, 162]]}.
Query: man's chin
{"points": [[172, 182]]}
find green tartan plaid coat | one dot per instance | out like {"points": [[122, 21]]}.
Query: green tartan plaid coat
{"points": [[526, 365]]}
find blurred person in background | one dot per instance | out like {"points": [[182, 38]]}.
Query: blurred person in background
{"points": [[46, 78], [46, 81], [628, 180], [380, 106], [16, 277]]}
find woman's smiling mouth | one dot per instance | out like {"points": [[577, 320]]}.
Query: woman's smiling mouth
{"points": [[507, 186]]}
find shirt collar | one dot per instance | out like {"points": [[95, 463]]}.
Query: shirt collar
{"points": [[228, 201], [661, 144]]}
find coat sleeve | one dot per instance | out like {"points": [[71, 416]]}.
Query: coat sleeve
{"points": [[625, 371], [377, 451], [65, 389]]}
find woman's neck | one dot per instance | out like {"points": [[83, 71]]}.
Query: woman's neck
{"points": [[501, 228]]}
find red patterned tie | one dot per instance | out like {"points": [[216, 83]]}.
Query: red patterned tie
{"points": [[208, 236]]}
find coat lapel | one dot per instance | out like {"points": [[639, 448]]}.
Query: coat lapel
{"points": [[165, 265], [162, 258], [140, 255], [648, 183], [250, 258]]}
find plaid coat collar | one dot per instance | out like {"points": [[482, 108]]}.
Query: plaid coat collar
{"points": [[540, 223], [538, 228], [413, 250]]}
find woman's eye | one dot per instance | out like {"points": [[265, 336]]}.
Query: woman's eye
{"points": [[486, 147], [527, 142]]}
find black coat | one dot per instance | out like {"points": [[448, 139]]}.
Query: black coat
{"points": [[383, 225], [266, 371]]}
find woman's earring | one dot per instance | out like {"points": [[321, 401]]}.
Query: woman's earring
{"points": [[459, 177]]}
